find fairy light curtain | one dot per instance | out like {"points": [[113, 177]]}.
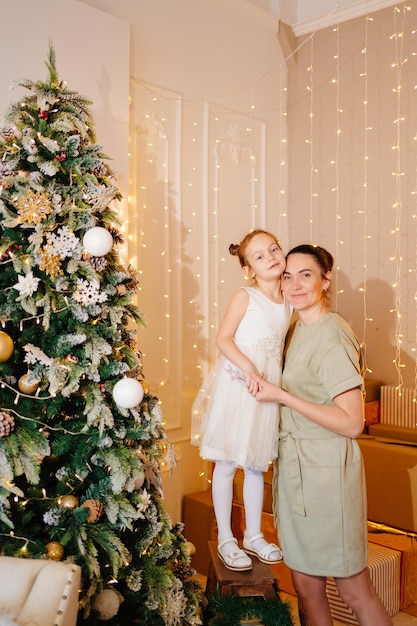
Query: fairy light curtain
{"points": [[352, 133], [199, 184], [348, 182]]}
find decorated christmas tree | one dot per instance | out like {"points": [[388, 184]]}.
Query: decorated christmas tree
{"points": [[81, 434]]}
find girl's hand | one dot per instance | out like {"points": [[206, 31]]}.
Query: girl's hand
{"points": [[252, 383]]}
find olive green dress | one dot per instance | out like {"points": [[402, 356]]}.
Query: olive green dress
{"points": [[320, 491]]}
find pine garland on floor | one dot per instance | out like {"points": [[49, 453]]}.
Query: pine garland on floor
{"points": [[232, 610]]}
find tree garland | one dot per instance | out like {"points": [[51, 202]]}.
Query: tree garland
{"points": [[232, 610]]}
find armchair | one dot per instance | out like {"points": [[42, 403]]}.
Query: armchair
{"points": [[38, 592]]}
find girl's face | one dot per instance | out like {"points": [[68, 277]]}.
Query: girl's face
{"points": [[264, 257], [303, 282]]}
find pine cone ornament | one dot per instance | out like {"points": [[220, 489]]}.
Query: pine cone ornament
{"points": [[6, 424], [98, 263], [7, 132], [101, 170], [183, 571], [116, 234], [96, 510], [6, 170]]}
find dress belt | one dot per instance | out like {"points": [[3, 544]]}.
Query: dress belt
{"points": [[294, 467]]}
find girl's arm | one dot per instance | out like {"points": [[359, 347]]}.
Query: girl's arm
{"points": [[225, 338], [344, 417]]}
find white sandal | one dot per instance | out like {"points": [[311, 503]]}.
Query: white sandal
{"points": [[237, 560], [265, 553]]}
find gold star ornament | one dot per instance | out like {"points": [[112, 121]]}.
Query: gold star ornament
{"points": [[50, 263], [34, 207]]}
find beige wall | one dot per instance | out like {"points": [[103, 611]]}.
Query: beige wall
{"points": [[352, 174], [207, 86]]}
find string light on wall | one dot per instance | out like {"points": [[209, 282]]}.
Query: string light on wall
{"points": [[414, 194], [192, 231], [335, 189], [364, 211], [282, 172], [202, 223], [153, 133], [233, 143], [398, 39], [313, 170]]}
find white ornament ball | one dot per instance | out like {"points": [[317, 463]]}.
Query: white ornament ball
{"points": [[128, 393], [98, 241], [106, 604]]}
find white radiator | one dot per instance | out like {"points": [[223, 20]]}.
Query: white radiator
{"points": [[398, 406]]}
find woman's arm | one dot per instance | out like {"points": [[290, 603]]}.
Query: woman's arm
{"points": [[225, 338], [344, 417]]}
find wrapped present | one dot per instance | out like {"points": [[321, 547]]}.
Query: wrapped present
{"points": [[384, 566]]}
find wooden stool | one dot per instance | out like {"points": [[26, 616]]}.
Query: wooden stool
{"points": [[259, 581]]}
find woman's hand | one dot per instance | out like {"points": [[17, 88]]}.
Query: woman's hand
{"points": [[265, 391]]}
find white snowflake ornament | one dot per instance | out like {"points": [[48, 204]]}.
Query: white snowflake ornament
{"points": [[64, 242], [88, 292]]}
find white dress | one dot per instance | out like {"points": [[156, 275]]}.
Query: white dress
{"points": [[228, 424]]}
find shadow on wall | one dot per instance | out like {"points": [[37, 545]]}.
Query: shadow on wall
{"points": [[378, 332]]}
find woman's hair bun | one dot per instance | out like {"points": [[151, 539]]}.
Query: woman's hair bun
{"points": [[234, 249]]}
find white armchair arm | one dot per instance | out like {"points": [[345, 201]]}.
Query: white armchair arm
{"points": [[39, 592]]}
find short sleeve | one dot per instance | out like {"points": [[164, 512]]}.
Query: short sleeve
{"points": [[340, 369]]}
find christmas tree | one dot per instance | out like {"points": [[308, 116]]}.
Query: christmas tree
{"points": [[81, 434]]}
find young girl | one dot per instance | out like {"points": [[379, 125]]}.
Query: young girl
{"points": [[228, 424]]}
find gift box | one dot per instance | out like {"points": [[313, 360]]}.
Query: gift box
{"points": [[384, 566], [199, 527], [407, 546]]}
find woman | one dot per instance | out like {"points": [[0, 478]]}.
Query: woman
{"points": [[319, 483]]}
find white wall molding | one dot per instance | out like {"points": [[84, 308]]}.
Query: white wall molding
{"points": [[337, 15]]}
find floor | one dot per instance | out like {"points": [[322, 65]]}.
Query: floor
{"points": [[401, 619]]}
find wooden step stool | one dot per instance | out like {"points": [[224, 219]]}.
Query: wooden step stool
{"points": [[259, 581]]}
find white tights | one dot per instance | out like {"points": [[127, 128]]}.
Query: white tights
{"points": [[222, 491]]}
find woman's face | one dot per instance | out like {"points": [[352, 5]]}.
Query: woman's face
{"points": [[303, 282]]}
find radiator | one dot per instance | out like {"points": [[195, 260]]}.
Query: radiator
{"points": [[398, 406]]}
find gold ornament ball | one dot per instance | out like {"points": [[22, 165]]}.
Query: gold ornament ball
{"points": [[54, 551], [190, 547], [25, 386], [6, 346], [69, 502]]}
